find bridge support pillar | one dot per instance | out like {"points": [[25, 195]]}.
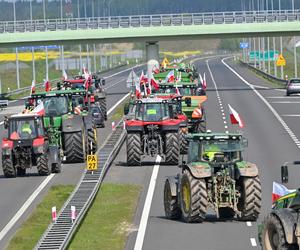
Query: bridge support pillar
{"points": [[152, 55]]}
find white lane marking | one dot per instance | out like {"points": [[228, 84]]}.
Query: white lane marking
{"points": [[286, 102], [115, 83], [253, 242], [278, 117], [1, 123], [290, 115], [120, 72], [283, 97], [146, 210], [248, 223], [27, 203], [113, 107], [260, 87]]}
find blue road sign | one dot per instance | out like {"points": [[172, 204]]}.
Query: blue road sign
{"points": [[244, 45]]}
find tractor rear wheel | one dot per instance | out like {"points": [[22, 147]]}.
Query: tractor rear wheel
{"points": [[172, 209], [193, 198], [273, 235], [42, 165], [134, 149], [74, 147], [102, 103], [172, 148], [183, 143], [250, 201], [92, 141], [9, 170]]}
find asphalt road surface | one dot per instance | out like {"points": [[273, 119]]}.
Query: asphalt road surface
{"points": [[271, 126], [15, 193]]}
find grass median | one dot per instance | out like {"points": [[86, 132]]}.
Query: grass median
{"points": [[109, 220], [32, 229]]}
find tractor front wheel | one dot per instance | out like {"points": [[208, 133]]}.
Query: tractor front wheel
{"points": [[74, 147], [102, 103], [193, 198], [172, 209], [42, 163], [92, 141], [183, 143]]}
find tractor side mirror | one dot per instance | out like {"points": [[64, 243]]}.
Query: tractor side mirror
{"points": [[5, 123], [284, 174], [188, 101], [126, 108], [103, 82], [96, 98]]}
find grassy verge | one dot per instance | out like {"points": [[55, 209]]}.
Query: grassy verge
{"points": [[109, 221], [33, 228]]}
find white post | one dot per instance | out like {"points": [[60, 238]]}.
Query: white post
{"points": [[295, 58], [61, 10], [95, 66], [47, 65], [254, 50], [33, 64], [275, 66], [269, 62], [62, 57], [0, 86], [78, 9], [30, 6], [17, 69], [87, 57], [281, 51], [80, 57], [44, 10]]}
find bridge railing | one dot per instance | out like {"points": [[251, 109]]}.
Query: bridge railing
{"points": [[150, 20]]}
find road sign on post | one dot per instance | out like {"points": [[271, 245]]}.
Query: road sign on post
{"points": [[244, 45], [281, 61], [92, 162]]}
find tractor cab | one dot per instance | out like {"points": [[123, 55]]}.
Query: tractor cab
{"points": [[216, 149]]}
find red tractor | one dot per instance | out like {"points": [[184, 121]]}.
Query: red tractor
{"points": [[153, 131], [27, 145]]}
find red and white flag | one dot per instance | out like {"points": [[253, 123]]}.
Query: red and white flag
{"points": [[235, 117], [113, 126], [54, 215], [39, 109], [32, 89], [153, 82], [203, 81], [155, 69], [144, 80], [170, 76], [73, 213], [280, 190], [65, 76], [177, 91]]}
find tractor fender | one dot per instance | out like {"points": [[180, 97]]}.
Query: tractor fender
{"points": [[134, 128], [198, 171], [288, 220], [54, 152], [72, 125], [250, 170], [173, 180]]}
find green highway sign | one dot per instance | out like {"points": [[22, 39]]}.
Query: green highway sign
{"points": [[264, 56]]}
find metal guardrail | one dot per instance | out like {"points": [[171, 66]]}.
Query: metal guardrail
{"points": [[58, 234], [3, 103], [264, 74], [206, 18]]}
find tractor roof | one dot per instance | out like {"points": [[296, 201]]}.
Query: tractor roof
{"points": [[151, 100], [59, 93], [214, 136], [20, 115]]}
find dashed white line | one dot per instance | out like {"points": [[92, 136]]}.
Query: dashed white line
{"points": [[248, 223], [144, 220], [287, 102], [291, 115], [253, 242]]}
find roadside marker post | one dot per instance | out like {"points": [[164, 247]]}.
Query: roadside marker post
{"points": [[113, 126], [73, 213], [54, 215]]}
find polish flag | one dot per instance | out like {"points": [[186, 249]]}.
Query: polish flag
{"points": [[47, 86], [54, 215], [170, 77], [153, 82], [137, 89], [143, 78], [280, 190], [203, 80], [235, 117], [39, 109], [178, 78], [155, 69], [73, 213], [32, 90], [65, 76]]}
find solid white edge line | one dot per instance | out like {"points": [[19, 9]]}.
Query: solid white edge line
{"points": [[275, 113], [113, 107], [27, 203], [253, 242], [146, 210]]}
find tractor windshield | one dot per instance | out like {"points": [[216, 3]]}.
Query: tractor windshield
{"points": [[182, 91], [25, 129], [56, 105], [152, 112]]}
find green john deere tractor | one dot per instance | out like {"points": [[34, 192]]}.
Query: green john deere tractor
{"points": [[280, 229], [71, 124], [214, 176]]}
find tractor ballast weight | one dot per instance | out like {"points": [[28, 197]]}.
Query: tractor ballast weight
{"points": [[214, 176], [27, 144]]}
